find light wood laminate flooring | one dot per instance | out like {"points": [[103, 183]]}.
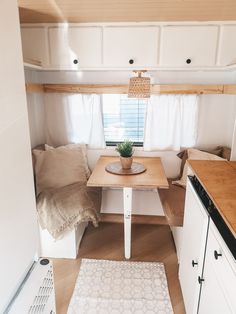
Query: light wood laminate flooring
{"points": [[149, 243]]}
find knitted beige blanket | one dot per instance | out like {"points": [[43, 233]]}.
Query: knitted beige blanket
{"points": [[60, 209]]}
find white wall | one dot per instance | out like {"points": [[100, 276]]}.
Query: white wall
{"points": [[18, 226], [217, 115], [36, 112]]}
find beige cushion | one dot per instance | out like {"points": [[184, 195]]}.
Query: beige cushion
{"points": [[76, 146], [195, 154], [183, 155], [59, 167]]}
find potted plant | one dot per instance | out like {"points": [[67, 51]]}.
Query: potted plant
{"points": [[126, 150]]}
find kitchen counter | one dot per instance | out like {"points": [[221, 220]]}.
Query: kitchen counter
{"points": [[219, 180]]}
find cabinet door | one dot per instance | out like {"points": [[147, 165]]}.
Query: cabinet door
{"points": [[131, 46], [34, 44], [189, 46], [192, 249], [219, 274], [227, 46], [212, 299], [75, 47]]}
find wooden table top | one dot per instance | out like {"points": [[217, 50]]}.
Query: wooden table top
{"points": [[219, 180], [153, 177]]}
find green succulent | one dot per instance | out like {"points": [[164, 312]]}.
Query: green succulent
{"points": [[125, 149]]}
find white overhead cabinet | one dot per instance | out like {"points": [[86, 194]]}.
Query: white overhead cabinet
{"points": [[131, 46], [127, 46], [34, 45], [227, 48], [75, 47], [189, 46]]}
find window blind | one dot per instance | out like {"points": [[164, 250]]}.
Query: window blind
{"points": [[123, 118]]}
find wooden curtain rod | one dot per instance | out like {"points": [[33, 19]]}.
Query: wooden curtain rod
{"points": [[123, 89]]}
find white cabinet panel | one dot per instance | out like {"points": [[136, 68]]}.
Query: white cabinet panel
{"points": [[83, 44], [122, 44], [195, 43], [222, 263], [192, 249], [219, 285], [227, 48], [212, 298], [34, 44]]}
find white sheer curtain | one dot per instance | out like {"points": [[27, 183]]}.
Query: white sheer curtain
{"points": [[171, 122], [74, 118]]}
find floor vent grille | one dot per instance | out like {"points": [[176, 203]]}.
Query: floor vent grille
{"points": [[44, 292], [36, 294]]}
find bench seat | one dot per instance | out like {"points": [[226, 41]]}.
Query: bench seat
{"points": [[173, 200]]}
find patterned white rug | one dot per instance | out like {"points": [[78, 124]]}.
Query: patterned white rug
{"points": [[110, 287]]}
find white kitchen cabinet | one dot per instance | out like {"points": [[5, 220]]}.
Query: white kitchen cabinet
{"points": [[131, 46], [75, 47], [219, 285], [192, 250], [34, 44], [212, 298], [227, 47], [189, 46]]}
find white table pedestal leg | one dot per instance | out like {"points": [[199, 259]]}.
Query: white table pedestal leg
{"points": [[127, 195]]}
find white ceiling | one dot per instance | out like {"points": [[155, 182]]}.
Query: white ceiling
{"points": [[38, 11]]}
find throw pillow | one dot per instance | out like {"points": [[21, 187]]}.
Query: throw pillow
{"points": [[58, 167], [184, 156], [194, 154], [76, 146]]}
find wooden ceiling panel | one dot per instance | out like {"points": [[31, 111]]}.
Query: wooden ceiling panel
{"points": [[83, 11]]}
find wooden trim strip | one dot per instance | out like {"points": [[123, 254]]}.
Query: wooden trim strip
{"points": [[34, 88], [136, 219], [86, 88], [123, 89], [187, 89]]}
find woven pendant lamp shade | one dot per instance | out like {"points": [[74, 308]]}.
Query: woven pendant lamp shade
{"points": [[139, 87]]}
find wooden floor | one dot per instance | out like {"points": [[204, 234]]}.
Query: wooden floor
{"points": [[149, 243]]}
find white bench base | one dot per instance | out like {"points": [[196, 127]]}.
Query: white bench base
{"points": [[67, 247]]}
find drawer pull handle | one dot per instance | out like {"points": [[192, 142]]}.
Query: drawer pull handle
{"points": [[131, 61], [216, 254], [188, 61], [75, 61], [200, 280], [194, 263]]}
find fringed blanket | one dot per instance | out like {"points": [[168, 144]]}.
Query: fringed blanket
{"points": [[60, 209]]}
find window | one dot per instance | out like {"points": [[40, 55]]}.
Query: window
{"points": [[123, 118]]}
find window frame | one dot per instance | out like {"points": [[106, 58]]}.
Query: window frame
{"points": [[114, 143]]}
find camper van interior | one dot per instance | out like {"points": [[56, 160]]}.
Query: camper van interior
{"points": [[118, 156]]}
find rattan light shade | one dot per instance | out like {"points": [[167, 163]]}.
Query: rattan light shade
{"points": [[139, 87]]}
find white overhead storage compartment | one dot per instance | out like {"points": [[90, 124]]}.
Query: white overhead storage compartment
{"points": [[189, 46], [34, 45], [75, 47], [227, 47], [131, 46]]}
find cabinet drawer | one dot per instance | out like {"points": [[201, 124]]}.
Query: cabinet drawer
{"points": [[75, 47], [189, 46], [131, 46], [224, 265]]}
